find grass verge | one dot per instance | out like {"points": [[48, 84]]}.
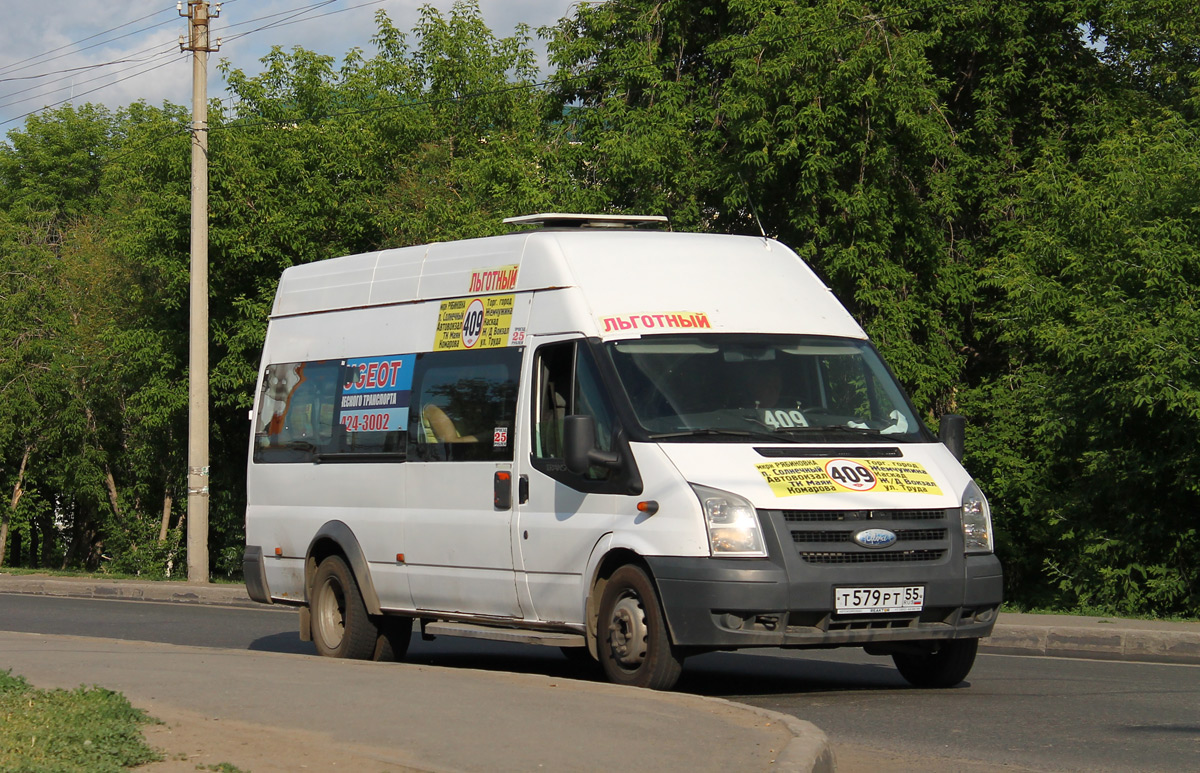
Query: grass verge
{"points": [[88, 728]]}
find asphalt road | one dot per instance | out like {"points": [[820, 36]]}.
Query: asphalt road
{"points": [[1015, 713]]}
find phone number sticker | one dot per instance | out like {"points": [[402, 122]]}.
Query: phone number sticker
{"points": [[820, 476], [376, 393]]}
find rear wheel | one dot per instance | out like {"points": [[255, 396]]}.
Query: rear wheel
{"points": [[340, 625], [632, 639], [947, 664]]}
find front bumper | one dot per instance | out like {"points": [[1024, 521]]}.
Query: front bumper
{"points": [[254, 571], [786, 600]]}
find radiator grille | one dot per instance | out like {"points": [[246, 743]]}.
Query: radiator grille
{"points": [[872, 557], [837, 516], [902, 535], [827, 536]]}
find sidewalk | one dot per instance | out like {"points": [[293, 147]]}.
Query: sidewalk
{"points": [[1104, 638], [267, 711]]}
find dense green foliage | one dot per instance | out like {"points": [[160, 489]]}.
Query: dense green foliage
{"points": [[89, 728], [1003, 194]]}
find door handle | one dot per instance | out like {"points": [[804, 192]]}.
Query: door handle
{"points": [[522, 489]]}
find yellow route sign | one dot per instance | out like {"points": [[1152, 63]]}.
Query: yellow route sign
{"points": [[831, 476], [473, 323]]}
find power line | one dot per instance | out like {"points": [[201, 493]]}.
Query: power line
{"points": [[9, 67], [43, 92], [291, 16], [13, 68], [163, 49], [288, 22], [85, 93]]}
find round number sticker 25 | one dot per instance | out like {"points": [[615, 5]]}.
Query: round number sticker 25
{"points": [[850, 474]]}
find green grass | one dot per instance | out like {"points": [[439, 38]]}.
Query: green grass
{"points": [[180, 577], [89, 575], [55, 731]]}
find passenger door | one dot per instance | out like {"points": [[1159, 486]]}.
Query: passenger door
{"points": [[461, 433], [565, 515]]}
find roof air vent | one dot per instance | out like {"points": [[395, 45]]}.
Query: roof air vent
{"points": [[574, 221]]}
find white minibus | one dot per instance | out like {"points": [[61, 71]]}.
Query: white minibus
{"points": [[630, 443]]}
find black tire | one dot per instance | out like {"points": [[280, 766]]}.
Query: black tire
{"points": [[946, 665], [632, 639], [340, 625], [395, 634]]}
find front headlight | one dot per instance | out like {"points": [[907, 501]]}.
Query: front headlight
{"points": [[732, 524], [976, 521]]}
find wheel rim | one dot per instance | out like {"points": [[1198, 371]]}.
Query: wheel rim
{"points": [[331, 614], [627, 632]]}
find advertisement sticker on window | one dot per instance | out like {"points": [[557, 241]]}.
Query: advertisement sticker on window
{"points": [[376, 393]]}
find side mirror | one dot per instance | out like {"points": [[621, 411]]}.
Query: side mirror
{"points": [[579, 446], [952, 432]]}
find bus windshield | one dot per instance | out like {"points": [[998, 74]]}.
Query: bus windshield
{"points": [[763, 387]]}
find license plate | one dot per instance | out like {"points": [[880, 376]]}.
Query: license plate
{"points": [[875, 601]]}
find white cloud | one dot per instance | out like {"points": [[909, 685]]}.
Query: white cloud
{"points": [[49, 36]]}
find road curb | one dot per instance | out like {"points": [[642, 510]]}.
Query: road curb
{"points": [[127, 590], [809, 749], [1137, 645]]}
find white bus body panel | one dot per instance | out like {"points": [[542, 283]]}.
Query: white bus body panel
{"points": [[533, 562]]}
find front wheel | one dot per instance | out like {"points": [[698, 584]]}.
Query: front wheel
{"points": [[632, 639], [395, 634], [947, 664], [340, 625]]}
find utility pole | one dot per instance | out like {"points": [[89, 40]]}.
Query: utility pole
{"points": [[197, 498]]}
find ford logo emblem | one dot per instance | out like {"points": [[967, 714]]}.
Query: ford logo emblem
{"points": [[875, 538]]}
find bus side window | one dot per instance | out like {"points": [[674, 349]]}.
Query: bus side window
{"points": [[463, 407]]}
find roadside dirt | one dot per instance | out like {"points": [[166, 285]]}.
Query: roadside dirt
{"points": [[191, 742], [860, 759]]}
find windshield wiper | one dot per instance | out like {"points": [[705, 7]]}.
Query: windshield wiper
{"points": [[715, 431]]}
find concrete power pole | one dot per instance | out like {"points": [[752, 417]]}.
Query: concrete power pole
{"points": [[197, 499]]}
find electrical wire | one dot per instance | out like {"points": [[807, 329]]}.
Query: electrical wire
{"points": [[163, 49], [288, 22], [9, 67], [43, 92], [94, 45], [85, 93], [294, 12], [70, 74]]}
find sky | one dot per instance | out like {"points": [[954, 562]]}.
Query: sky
{"points": [[50, 49]]}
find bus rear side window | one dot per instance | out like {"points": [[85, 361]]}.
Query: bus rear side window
{"points": [[295, 411]]}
